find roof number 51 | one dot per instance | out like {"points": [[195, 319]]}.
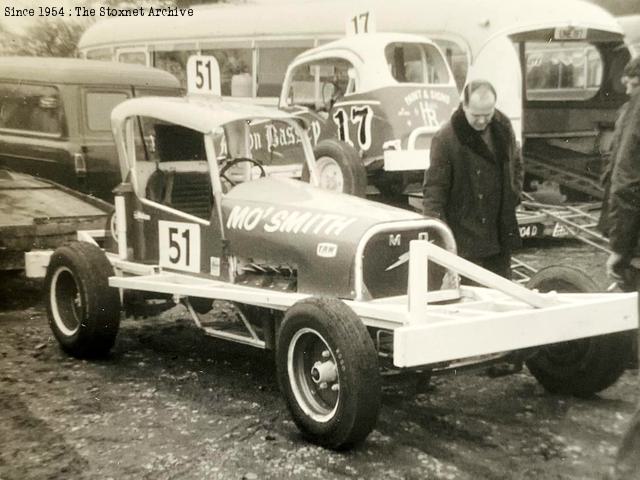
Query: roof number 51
{"points": [[203, 75]]}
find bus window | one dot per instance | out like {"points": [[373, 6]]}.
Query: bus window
{"points": [[562, 71], [136, 58], [416, 63], [272, 65], [235, 70], [458, 59], [100, 54], [174, 62]]}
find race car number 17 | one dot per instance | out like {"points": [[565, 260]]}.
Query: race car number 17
{"points": [[179, 245]]}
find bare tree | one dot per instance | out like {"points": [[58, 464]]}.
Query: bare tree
{"points": [[49, 38]]}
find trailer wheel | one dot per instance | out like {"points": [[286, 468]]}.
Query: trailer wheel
{"points": [[83, 311], [328, 372], [340, 168], [578, 367]]}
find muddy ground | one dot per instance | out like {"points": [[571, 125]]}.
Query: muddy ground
{"points": [[170, 403]]}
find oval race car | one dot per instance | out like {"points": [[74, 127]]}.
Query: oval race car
{"points": [[383, 95], [336, 285], [372, 103]]}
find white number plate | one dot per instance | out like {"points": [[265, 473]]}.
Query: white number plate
{"points": [[179, 245], [203, 75]]}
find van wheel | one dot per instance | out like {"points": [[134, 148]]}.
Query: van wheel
{"points": [[340, 168], [328, 372], [83, 311], [578, 367]]}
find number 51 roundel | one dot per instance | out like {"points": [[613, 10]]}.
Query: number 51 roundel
{"points": [[179, 245]]}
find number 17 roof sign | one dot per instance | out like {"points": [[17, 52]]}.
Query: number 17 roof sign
{"points": [[203, 75], [360, 23]]}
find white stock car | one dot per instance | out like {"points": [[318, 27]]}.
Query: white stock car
{"points": [[334, 283]]}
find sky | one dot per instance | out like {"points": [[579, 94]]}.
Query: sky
{"points": [[19, 23]]}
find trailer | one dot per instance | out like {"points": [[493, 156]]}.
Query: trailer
{"points": [[38, 214]]}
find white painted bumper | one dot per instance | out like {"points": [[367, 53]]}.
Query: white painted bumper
{"points": [[428, 342], [404, 160]]}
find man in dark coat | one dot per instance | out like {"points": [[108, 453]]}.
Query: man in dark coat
{"points": [[624, 235], [475, 178]]}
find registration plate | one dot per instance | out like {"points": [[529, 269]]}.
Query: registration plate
{"points": [[531, 230]]}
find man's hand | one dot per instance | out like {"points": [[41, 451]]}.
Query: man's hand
{"points": [[616, 265]]}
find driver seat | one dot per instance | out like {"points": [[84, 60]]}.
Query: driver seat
{"points": [[189, 192]]}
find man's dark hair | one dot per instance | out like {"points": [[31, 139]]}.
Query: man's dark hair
{"points": [[632, 68], [474, 85]]}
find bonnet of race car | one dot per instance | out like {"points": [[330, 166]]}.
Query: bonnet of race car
{"points": [[290, 225]]}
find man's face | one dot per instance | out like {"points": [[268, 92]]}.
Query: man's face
{"points": [[480, 110], [630, 84]]}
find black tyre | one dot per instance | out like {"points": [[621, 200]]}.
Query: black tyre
{"points": [[578, 367], [328, 372], [340, 168], [83, 311]]}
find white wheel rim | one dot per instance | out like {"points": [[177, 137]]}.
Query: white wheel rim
{"points": [[318, 397], [330, 174], [62, 275]]}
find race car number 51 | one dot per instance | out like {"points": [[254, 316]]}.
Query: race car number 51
{"points": [[179, 245]]}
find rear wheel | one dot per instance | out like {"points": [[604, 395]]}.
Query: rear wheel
{"points": [[83, 311], [578, 367], [328, 372], [340, 168]]}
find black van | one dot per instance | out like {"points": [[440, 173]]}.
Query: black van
{"points": [[55, 117]]}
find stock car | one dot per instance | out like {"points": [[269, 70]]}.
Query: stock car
{"points": [[372, 104], [337, 285]]}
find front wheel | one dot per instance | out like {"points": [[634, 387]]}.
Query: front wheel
{"points": [[578, 367], [83, 311], [328, 372]]}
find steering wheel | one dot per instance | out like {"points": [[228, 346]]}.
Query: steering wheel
{"points": [[237, 160]]}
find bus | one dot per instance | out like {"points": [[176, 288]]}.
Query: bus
{"points": [[631, 26], [556, 65]]}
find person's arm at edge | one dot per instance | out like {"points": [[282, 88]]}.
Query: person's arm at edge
{"points": [[625, 190]]}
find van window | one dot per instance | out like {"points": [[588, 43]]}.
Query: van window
{"points": [[31, 108], [561, 71], [320, 84], [236, 72], [416, 63], [99, 106]]}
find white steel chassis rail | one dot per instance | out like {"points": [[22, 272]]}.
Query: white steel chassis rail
{"points": [[502, 317]]}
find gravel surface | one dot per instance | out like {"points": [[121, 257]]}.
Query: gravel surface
{"points": [[171, 403]]}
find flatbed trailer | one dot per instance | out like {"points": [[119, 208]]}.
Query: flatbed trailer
{"points": [[40, 214]]}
